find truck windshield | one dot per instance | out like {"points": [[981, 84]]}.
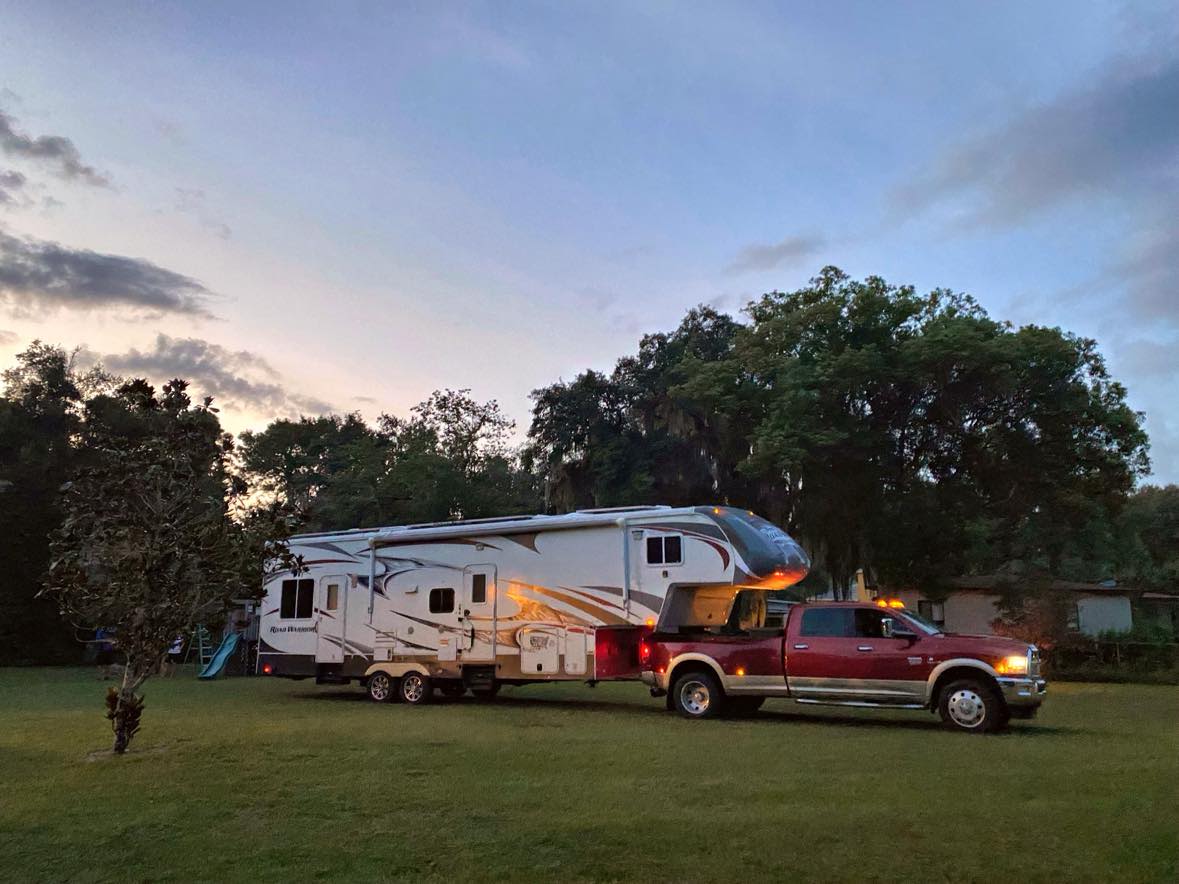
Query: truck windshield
{"points": [[923, 625]]}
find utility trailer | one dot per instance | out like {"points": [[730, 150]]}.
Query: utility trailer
{"points": [[476, 604]]}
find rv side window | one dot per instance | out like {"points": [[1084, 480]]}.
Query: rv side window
{"points": [[478, 589], [665, 550], [298, 597], [441, 600]]}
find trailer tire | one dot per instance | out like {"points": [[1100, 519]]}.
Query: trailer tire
{"points": [[972, 706], [381, 687], [697, 694], [414, 689]]}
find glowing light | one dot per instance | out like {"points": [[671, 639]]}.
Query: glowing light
{"points": [[740, 670], [267, 669], [882, 603], [1016, 664], [716, 510], [896, 603], [650, 621]]}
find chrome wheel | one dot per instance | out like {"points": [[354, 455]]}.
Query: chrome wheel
{"points": [[413, 688], [966, 708], [380, 687], [695, 697]]}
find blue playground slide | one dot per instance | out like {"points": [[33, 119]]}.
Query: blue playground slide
{"points": [[214, 667]]}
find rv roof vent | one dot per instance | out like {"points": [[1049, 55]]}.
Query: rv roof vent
{"points": [[626, 509]]}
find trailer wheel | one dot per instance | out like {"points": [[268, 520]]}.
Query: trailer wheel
{"points": [[381, 688], [697, 694], [972, 706], [414, 688]]}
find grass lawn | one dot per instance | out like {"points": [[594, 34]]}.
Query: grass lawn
{"points": [[265, 780]]}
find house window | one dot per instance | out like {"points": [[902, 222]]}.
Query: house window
{"points": [[441, 600], [297, 599], [478, 589], [934, 612], [665, 550], [333, 597]]}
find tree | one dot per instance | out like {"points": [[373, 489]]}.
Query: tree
{"points": [[147, 546], [40, 418], [909, 434]]}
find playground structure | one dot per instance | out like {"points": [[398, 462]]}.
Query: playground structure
{"points": [[234, 651]]}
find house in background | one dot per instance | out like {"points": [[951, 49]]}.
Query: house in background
{"points": [[972, 605]]}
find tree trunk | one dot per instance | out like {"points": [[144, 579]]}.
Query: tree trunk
{"points": [[127, 707]]}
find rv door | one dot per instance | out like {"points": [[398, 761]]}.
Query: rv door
{"points": [[331, 599], [476, 643]]}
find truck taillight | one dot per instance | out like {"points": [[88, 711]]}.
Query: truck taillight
{"points": [[644, 652], [267, 669]]}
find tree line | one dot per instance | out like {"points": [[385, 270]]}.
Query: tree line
{"points": [[911, 435]]}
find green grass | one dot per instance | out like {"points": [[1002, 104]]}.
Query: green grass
{"points": [[264, 780]]}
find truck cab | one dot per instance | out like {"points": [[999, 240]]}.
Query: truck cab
{"points": [[844, 653]]}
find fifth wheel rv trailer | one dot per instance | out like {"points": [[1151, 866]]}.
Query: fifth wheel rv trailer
{"points": [[475, 604]]}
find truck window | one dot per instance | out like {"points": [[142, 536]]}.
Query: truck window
{"points": [[836, 622], [870, 623]]}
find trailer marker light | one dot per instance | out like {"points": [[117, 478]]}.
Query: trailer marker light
{"points": [[267, 669], [650, 621]]}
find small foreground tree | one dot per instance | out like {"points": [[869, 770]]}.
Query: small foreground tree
{"points": [[149, 546]]}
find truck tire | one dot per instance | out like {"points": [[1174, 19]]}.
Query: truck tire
{"points": [[414, 689], [972, 706], [698, 694], [745, 705], [382, 688]]}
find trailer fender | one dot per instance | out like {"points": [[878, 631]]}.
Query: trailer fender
{"points": [[396, 670]]}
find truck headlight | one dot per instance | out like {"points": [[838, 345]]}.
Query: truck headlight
{"points": [[1016, 664]]}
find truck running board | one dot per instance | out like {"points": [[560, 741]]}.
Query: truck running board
{"points": [[861, 703]]}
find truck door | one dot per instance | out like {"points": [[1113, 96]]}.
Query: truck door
{"points": [[846, 654], [476, 614], [331, 605]]}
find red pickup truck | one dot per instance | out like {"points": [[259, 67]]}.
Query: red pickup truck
{"points": [[850, 654]]}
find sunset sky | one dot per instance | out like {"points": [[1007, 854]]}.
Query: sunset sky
{"points": [[343, 206]]}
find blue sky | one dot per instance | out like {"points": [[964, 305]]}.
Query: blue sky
{"points": [[347, 205]]}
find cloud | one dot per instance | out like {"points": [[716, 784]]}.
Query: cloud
{"points": [[1116, 136], [790, 251], [191, 201], [8, 338], [239, 380], [36, 275], [56, 151], [11, 186], [1148, 267]]}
